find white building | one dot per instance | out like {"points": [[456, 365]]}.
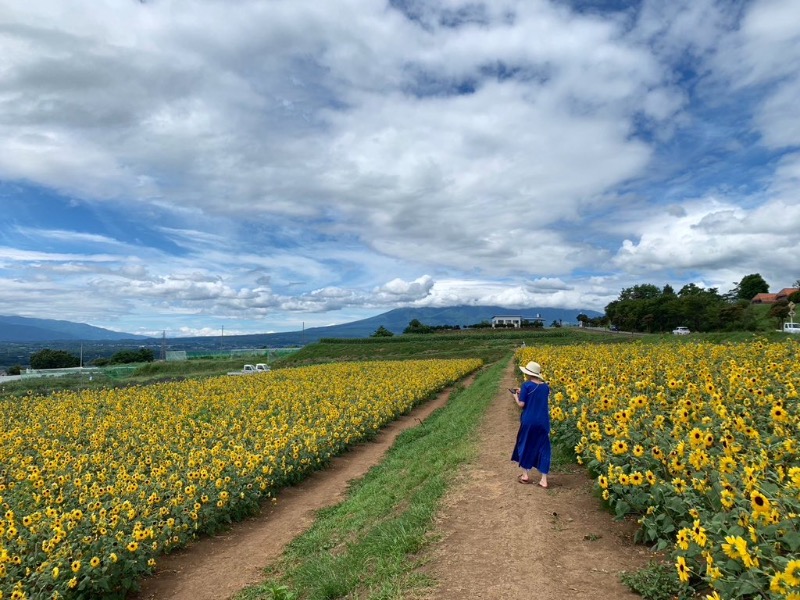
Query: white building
{"points": [[507, 321], [513, 320]]}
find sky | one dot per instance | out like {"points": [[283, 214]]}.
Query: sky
{"points": [[191, 167]]}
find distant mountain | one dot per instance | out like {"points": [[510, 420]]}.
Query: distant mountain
{"points": [[398, 319], [395, 321], [27, 330], [24, 329]]}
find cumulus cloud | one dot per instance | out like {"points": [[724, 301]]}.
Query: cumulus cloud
{"points": [[398, 290], [318, 158]]}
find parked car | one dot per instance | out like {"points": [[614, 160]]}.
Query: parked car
{"points": [[681, 331], [250, 369], [791, 328], [614, 328]]}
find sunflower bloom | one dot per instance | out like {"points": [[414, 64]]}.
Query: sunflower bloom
{"points": [[683, 569], [759, 502]]}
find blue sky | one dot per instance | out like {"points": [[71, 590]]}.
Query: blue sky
{"points": [[187, 166]]}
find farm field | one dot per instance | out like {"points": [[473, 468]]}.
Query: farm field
{"points": [[95, 485], [603, 379], [700, 442]]}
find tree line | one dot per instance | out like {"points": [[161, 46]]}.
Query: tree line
{"points": [[648, 308], [61, 359]]}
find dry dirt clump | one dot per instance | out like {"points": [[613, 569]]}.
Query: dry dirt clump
{"points": [[499, 539]]}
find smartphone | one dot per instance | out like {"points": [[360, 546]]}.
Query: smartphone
{"points": [[512, 390]]}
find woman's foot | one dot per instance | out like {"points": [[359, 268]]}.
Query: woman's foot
{"points": [[524, 479], [543, 481]]}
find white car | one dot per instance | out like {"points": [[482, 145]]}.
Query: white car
{"points": [[791, 328], [681, 331]]}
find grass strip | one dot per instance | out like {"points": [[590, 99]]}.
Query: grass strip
{"points": [[367, 546]]}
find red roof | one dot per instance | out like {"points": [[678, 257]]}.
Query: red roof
{"points": [[764, 298]]}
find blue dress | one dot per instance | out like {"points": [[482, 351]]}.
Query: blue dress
{"points": [[532, 448]]}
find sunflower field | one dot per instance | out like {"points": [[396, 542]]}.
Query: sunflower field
{"points": [[94, 486], [698, 440]]}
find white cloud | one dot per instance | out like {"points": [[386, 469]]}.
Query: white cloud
{"points": [[311, 157], [763, 52], [714, 237]]}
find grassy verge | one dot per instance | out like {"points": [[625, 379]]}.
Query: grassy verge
{"points": [[366, 547], [490, 346]]}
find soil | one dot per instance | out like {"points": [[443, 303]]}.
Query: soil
{"points": [[498, 539], [504, 540]]}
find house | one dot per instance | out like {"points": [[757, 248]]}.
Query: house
{"points": [[763, 299], [515, 321], [507, 321], [781, 296]]}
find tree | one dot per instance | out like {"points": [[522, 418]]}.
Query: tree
{"points": [[382, 332], [779, 311], [690, 289], [414, 326], [644, 291], [53, 359], [749, 286], [133, 356]]}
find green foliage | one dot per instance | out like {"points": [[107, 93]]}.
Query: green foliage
{"points": [[645, 308], [142, 355], [415, 326], [53, 359], [15, 370], [369, 545], [587, 321], [382, 332], [273, 591], [488, 345], [657, 581], [749, 286]]}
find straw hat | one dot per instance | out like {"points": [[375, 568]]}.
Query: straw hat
{"points": [[533, 369]]}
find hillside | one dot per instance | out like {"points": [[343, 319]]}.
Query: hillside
{"points": [[25, 329]]}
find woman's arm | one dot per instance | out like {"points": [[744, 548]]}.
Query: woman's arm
{"points": [[517, 400]]}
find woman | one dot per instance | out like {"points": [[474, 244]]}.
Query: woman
{"points": [[533, 438]]}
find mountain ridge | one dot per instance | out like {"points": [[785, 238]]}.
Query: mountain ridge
{"points": [[395, 320], [28, 329]]}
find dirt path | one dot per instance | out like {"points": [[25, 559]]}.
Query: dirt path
{"points": [[504, 540], [500, 539], [219, 567]]}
